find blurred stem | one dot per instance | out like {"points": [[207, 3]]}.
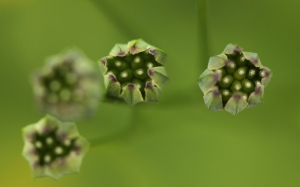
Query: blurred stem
{"points": [[116, 18], [122, 132], [203, 32]]}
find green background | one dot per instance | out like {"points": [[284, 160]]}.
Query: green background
{"points": [[177, 142]]}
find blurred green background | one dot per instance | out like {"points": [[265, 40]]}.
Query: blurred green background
{"points": [[177, 142]]}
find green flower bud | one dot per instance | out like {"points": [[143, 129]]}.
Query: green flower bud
{"points": [[222, 71], [230, 67], [139, 74], [236, 86], [226, 94], [234, 80], [248, 86], [125, 75], [226, 81], [53, 148], [240, 73], [241, 61], [68, 86], [251, 74], [119, 65], [137, 62]]}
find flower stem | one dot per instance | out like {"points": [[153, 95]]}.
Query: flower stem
{"points": [[203, 32], [115, 17], [94, 142]]}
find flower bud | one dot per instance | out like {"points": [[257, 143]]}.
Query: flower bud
{"points": [[234, 80], [134, 72], [53, 148], [67, 86]]}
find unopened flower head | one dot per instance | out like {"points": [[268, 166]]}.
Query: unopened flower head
{"points": [[234, 80], [134, 72], [68, 85], [53, 148]]}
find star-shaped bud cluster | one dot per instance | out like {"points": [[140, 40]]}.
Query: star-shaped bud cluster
{"points": [[68, 85], [234, 80], [53, 148], [134, 72]]}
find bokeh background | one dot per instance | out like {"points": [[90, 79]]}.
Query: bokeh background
{"points": [[177, 142]]}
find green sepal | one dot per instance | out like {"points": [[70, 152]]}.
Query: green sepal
{"points": [[208, 79], [152, 93], [256, 96], [253, 58], [245, 94], [222, 71], [102, 65], [69, 129], [137, 46], [232, 49], [158, 75], [119, 50], [113, 87], [131, 94], [213, 100], [74, 163], [268, 75], [217, 62], [159, 55], [48, 122], [236, 103], [28, 133]]}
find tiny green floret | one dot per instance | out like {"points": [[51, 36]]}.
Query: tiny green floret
{"points": [[240, 78]]}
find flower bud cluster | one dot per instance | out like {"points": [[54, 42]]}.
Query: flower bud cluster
{"points": [[134, 72], [68, 85], [234, 80], [53, 148]]}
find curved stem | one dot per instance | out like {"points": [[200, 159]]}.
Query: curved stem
{"points": [[94, 142]]}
